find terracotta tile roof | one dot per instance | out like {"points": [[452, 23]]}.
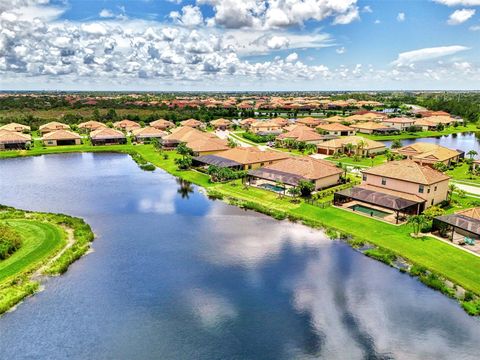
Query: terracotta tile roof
{"points": [[336, 119], [148, 131], [400, 120], [280, 121], [61, 135], [247, 121], [106, 133], [53, 125], [197, 140], [221, 122], [191, 123], [162, 124], [339, 143], [370, 126], [301, 133], [423, 150], [473, 213], [308, 121], [334, 127], [424, 122], [252, 155], [126, 124], [440, 119], [13, 136], [15, 127], [266, 124], [93, 125], [305, 167], [408, 170]]}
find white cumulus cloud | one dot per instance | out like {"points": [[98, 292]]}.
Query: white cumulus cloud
{"points": [[459, 2], [401, 17], [460, 16], [411, 57], [105, 13]]}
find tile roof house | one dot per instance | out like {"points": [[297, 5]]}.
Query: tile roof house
{"points": [[107, 136], [13, 140], [429, 153], [61, 137], [372, 127], [266, 128], [91, 125], [242, 158], [147, 133], [309, 121], [196, 124], [336, 129], [15, 127], [52, 126], [126, 125], [399, 123], [304, 134], [162, 124], [367, 146], [221, 124], [246, 123], [200, 142], [294, 169], [400, 186]]}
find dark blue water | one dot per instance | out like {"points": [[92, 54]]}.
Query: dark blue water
{"points": [[174, 275], [462, 141]]}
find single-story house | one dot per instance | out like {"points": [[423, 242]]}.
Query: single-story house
{"points": [[337, 119], [13, 140], [91, 125], [395, 188], [162, 124], [52, 126], [148, 133], [373, 128], [399, 123], [280, 121], [200, 142], [196, 124], [126, 125], [363, 146], [61, 137], [441, 119], [246, 123], [463, 226], [304, 134], [241, 158], [221, 124], [266, 128], [107, 136], [15, 127], [292, 170], [425, 124], [336, 129], [429, 153], [309, 121]]}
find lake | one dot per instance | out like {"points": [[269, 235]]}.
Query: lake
{"points": [[462, 141], [174, 275]]}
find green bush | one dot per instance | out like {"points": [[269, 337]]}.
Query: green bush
{"points": [[471, 307], [434, 282], [10, 241], [382, 255], [258, 138], [417, 270]]}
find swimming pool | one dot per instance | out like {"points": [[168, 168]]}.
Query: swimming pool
{"points": [[369, 211], [272, 187]]}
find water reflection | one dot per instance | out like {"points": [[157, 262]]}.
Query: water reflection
{"points": [[462, 141]]}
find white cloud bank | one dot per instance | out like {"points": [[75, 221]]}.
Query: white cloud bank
{"points": [[460, 16], [411, 57], [459, 2]]}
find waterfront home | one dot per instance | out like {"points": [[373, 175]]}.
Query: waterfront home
{"points": [[462, 228], [246, 123], [337, 119], [360, 145], [200, 142], [292, 170], [280, 121], [107, 136], [373, 128], [221, 124], [266, 128], [146, 134], [399, 123], [367, 117], [126, 125], [336, 129], [395, 189], [195, 124], [242, 158], [308, 121], [15, 127], [61, 137], [162, 124], [429, 154], [440, 119], [52, 126], [13, 140], [425, 124], [91, 125], [303, 134]]}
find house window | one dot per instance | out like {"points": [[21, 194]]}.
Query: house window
{"points": [[364, 177], [420, 189], [384, 181], [431, 202], [428, 191], [435, 188]]}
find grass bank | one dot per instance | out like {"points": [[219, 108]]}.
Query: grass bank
{"points": [[421, 134], [50, 243]]}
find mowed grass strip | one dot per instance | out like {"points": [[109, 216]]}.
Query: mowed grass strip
{"points": [[40, 240]]}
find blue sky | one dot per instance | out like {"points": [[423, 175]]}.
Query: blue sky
{"points": [[240, 45]]}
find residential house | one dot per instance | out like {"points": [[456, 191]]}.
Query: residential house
{"points": [[15, 127], [395, 188], [309, 121], [462, 227], [429, 154], [147, 134], [292, 170], [61, 138], [91, 125], [52, 126], [362, 146], [303, 134], [200, 142], [221, 124], [162, 124], [280, 121], [107, 136], [195, 124], [399, 123], [126, 125], [373, 128], [10, 140], [336, 129], [266, 128], [241, 158], [246, 123], [425, 124]]}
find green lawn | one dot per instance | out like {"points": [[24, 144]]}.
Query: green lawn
{"points": [[363, 162], [461, 173], [422, 134], [40, 240]]}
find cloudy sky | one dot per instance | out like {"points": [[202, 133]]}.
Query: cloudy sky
{"points": [[239, 44]]}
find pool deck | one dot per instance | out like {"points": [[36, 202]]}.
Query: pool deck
{"points": [[389, 219]]}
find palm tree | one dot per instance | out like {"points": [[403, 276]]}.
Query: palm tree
{"points": [[294, 191], [362, 144], [451, 189], [472, 154], [417, 222], [349, 148]]}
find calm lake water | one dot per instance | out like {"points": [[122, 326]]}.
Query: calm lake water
{"points": [[174, 275], [462, 141]]}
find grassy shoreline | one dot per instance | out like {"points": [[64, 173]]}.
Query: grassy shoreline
{"points": [[51, 243], [422, 134], [439, 258]]}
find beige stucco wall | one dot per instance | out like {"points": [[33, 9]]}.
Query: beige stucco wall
{"points": [[54, 142], [399, 126], [327, 181], [436, 192]]}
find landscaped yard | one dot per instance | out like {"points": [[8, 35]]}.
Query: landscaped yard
{"points": [[362, 162]]}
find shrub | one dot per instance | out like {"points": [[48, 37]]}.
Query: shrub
{"points": [[10, 241], [382, 255], [434, 282], [258, 138], [417, 270]]}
